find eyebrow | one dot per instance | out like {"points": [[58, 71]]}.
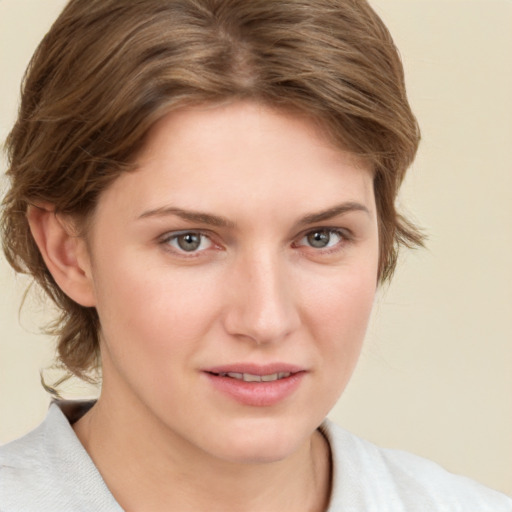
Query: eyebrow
{"points": [[192, 216], [218, 221], [335, 211]]}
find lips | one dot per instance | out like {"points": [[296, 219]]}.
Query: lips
{"points": [[255, 369], [257, 386]]}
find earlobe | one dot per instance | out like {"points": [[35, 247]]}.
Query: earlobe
{"points": [[64, 253]]}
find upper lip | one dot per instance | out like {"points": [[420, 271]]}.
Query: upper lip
{"points": [[255, 369]]}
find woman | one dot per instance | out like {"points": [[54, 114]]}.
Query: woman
{"points": [[206, 190]]}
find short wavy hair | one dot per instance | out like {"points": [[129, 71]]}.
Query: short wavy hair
{"points": [[109, 69]]}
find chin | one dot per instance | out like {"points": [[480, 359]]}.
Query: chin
{"points": [[263, 441]]}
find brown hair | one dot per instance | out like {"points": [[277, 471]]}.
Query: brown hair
{"points": [[109, 69]]}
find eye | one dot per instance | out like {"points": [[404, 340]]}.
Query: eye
{"points": [[322, 238], [190, 241]]}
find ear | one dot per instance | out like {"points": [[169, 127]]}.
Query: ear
{"points": [[65, 254]]}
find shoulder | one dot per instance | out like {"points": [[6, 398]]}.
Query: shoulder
{"points": [[22, 469], [49, 470], [370, 478]]}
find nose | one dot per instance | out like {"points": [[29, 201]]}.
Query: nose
{"points": [[262, 303]]}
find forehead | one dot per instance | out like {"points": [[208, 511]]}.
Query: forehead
{"points": [[244, 124], [243, 157]]}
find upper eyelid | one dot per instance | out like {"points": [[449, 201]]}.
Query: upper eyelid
{"points": [[345, 235], [168, 235], [165, 241], [345, 232]]}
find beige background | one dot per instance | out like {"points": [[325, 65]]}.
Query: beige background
{"points": [[435, 377]]}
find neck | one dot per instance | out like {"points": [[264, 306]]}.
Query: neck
{"points": [[147, 467]]}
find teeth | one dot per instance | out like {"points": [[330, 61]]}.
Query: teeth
{"points": [[249, 377]]}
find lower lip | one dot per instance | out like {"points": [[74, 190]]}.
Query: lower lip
{"points": [[257, 394]]}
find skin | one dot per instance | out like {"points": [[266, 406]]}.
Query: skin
{"points": [[255, 290]]}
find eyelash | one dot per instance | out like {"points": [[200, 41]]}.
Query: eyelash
{"points": [[343, 234], [344, 237], [167, 239]]}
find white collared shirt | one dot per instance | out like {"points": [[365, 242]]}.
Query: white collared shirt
{"points": [[48, 470]]}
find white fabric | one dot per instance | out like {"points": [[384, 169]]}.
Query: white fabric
{"points": [[48, 470], [367, 478]]}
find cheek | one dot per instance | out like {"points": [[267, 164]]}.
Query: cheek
{"points": [[339, 313], [341, 301], [154, 310]]}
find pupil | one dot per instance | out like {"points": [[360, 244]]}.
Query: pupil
{"points": [[319, 239], [189, 242]]}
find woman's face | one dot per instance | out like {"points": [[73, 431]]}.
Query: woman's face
{"points": [[234, 274]]}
